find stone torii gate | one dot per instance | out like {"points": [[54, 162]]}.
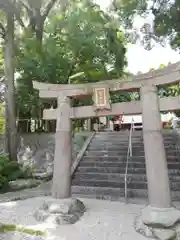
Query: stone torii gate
{"points": [[160, 211]]}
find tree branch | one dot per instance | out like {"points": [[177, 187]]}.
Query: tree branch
{"points": [[70, 71], [3, 31], [48, 8], [18, 18], [9, 8], [29, 11], [32, 19]]}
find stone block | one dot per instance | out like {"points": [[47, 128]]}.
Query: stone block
{"points": [[160, 224], [61, 211], [160, 217], [165, 234]]}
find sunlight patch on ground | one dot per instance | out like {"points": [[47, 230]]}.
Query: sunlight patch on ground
{"points": [[8, 204]]}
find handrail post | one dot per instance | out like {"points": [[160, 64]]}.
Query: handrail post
{"points": [[130, 145], [129, 154]]}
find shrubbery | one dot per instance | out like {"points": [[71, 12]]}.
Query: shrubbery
{"points": [[2, 119], [10, 171]]}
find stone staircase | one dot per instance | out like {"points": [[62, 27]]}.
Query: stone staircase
{"points": [[100, 173]]}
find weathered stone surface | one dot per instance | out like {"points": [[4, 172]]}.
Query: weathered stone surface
{"points": [[24, 183], [161, 224], [177, 228], [61, 211], [165, 234], [41, 215], [155, 233], [157, 217], [43, 176], [37, 150], [143, 229]]}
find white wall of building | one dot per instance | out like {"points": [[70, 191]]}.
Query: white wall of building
{"points": [[138, 118]]}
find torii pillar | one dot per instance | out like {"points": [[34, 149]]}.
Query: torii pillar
{"points": [[159, 219], [63, 151], [155, 155], [61, 208]]}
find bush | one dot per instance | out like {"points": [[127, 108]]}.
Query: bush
{"points": [[10, 171], [2, 119]]}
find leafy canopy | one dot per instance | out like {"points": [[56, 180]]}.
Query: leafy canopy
{"points": [[165, 15], [82, 40]]}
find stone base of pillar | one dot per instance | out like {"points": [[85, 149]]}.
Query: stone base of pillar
{"points": [[60, 211], [161, 224]]}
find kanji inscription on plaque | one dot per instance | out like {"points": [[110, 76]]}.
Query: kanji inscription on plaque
{"points": [[101, 98]]}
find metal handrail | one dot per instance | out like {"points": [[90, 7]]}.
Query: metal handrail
{"points": [[129, 154]]}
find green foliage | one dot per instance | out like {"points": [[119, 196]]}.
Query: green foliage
{"points": [[121, 97], [81, 40], [172, 90], [14, 228], [166, 16], [2, 119], [10, 171]]}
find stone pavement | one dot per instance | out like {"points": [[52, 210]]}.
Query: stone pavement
{"points": [[103, 220]]}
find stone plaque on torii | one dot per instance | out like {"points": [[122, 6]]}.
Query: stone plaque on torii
{"points": [[101, 98], [160, 210]]}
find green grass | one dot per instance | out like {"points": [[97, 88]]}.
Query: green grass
{"points": [[12, 228]]}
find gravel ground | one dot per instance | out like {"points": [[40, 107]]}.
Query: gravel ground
{"points": [[20, 236], [103, 220]]}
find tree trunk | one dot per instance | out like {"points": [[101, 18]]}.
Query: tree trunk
{"points": [[10, 89]]}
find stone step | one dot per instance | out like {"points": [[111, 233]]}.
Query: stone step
{"points": [[118, 136], [109, 170], [124, 141], [114, 194], [104, 193], [116, 144], [120, 170], [101, 171], [118, 177], [111, 135], [134, 134], [111, 184], [108, 164], [137, 147], [112, 141], [104, 158], [115, 133], [176, 136], [175, 165], [113, 144], [170, 151], [170, 158], [106, 153], [135, 138], [120, 152], [106, 177], [108, 148], [118, 184]]}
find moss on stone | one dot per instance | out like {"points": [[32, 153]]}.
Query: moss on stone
{"points": [[14, 228]]}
